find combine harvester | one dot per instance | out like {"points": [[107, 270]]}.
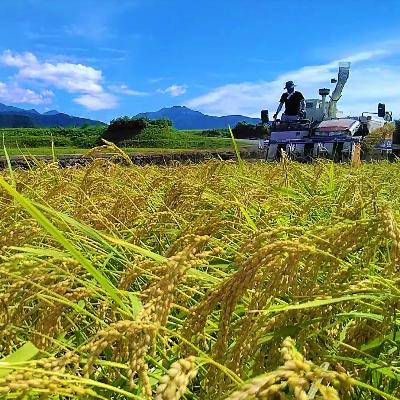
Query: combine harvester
{"points": [[323, 134]]}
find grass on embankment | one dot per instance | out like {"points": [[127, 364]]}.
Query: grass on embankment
{"points": [[34, 141], [47, 151]]}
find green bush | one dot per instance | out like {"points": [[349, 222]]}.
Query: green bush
{"points": [[244, 130], [127, 128], [214, 133]]}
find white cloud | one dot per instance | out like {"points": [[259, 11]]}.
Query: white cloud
{"points": [[97, 101], [367, 55], [174, 90], [17, 60], [73, 78], [366, 87], [156, 80], [88, 30], [124, 89], [14, 94]]}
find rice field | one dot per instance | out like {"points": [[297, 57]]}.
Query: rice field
{"points": [[221, 280]]}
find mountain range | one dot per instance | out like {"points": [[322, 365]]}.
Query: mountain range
{"points": [[181, 117], [185, 118], [14, 117]]}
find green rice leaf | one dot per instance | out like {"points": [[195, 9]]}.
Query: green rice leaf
{"points": [[60, 238], [25, 353]]}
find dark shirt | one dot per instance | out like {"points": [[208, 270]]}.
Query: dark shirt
{"points": [[292, 104]]}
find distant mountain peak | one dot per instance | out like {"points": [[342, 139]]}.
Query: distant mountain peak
{"points": [[180, 108], [14, 117], [51, 112], [183, 117]]}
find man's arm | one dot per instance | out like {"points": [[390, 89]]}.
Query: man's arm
{"points": [[302, 105], [278, 110], [281, 103]]}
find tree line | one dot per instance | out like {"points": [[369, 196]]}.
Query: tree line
{"points": [[125, 128]]}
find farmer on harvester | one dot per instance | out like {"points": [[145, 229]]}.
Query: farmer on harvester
{"points": [[294, 104]]}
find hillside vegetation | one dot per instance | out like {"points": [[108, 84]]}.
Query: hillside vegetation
{"points": [[221, 280], [61, 137], [124, 131]]}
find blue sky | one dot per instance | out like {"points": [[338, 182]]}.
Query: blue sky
{"points": [[106, 58]]}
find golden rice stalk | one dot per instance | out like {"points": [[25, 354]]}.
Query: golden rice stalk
{"points": [[356, 158], [392, 232], [22, 382], [161, 293], [173, 385], [110, 147], [130, 341], [295, 376]]}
